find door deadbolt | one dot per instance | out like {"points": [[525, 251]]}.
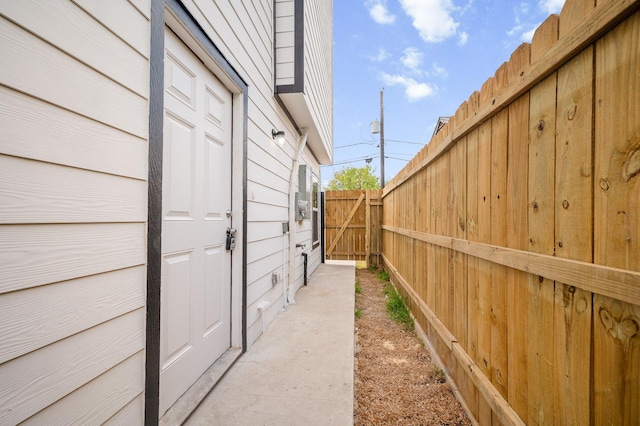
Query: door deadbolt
{"points": [[231, 239]]}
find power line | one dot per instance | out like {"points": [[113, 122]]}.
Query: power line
{"points": [[401, 153], [354, 160], [394, 158], [353, 144], [412, 143]]}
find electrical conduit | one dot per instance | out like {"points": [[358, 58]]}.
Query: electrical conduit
{"points": [[291, 289]]}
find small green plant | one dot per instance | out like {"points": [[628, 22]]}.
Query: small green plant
{"points": [[383, 276], [358, 313], [396, 308], [358, 287], [439, 374]]}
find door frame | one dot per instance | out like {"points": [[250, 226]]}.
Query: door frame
{"points": [[173, 14]]}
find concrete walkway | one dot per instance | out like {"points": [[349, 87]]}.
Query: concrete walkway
{"points": [[300, 371]]}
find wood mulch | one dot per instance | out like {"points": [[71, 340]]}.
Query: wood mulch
{"points": [[395, 380]]}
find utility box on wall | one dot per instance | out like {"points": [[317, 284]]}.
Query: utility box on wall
{"points": [[303, 196]]}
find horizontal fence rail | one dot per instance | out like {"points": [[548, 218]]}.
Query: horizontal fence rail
{"points": [[514, 234]]}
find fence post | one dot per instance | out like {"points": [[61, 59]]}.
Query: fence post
{"points": [[367, 234]]}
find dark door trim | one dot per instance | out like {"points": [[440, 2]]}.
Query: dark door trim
{"points": [[159, 9]]}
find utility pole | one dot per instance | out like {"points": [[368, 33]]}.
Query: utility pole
{"points": [[382, 138]]}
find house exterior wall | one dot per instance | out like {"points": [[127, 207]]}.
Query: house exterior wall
{"points": [[318, 69], [304, 70], [74, 114], [246, 38], [73, 169], [285, 42]]}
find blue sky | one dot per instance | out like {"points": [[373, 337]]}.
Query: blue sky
{"points": [[428, 55]]}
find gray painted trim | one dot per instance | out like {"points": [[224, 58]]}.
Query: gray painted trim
{"points": [[154, 219], [288, 114], [299, 45], [154, 235]]}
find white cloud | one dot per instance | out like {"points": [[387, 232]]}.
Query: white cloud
{"points": [[379, 12], [440, 71], [551, 6], [432, 18], [527, 36], [380, 56], [463, 38], [523, 26], [412, 59], [412, 89], [517, 28]]}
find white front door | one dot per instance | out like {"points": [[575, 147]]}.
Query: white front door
{"points": [[196, 196]]}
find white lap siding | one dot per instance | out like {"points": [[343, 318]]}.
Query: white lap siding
{"points": [[74, 87]]}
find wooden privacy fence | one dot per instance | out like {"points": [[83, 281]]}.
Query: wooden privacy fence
{"points": [[515, 232], [352, 225]]}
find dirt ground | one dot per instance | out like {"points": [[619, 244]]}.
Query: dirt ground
{"points": [[395, 380]]}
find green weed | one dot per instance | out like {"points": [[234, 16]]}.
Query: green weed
{"points": [[358, 313], [439, 374], [396, 308], [358, 287]]}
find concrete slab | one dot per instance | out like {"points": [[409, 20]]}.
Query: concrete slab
{"points": [[300, 371]]}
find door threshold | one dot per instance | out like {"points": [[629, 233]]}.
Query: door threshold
{"points": [[191, 399]]}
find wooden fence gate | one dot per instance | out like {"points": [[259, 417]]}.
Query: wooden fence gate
{"points": [[352, 225]]}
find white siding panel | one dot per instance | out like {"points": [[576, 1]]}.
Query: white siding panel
{"points": [[36, 317], [255, 323], [286, 39], [33, 255], [234, 31], [285, 7], [273, 295], [265, 195], [47, 73], [263, 248], [38, 130], [264, 266], [36, 192], [286, 55], [98, 400], [263, 212], [34, 381], [273, 162], [257, 231], [262, 289], [285, 24], [285, 74], [264, 174], [132, 414], [143, 6], [254, 331], [71, 30], [259, 135], [122, 19], [256, 57]]}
